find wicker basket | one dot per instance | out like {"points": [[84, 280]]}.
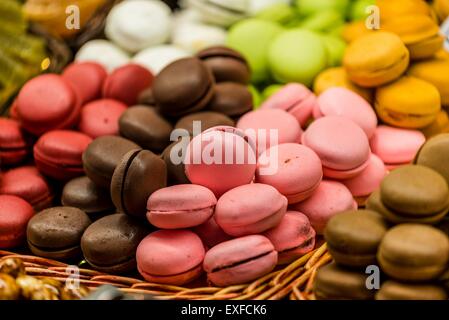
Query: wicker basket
{"points": [[292, 282]]}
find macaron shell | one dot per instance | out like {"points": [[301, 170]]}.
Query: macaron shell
{"points": [[396, 145], [240, 210], [345, 103], [100, 117], [210, 233], [329, 199], [126, 83], [240, 260], [27, 183], [170, 252], [272, 121], [369, 179], [339, 142], [14, 216], [293, 237], [219, 177], [13, 142], [294, 98], [180, 206], [86, 79], [298, 170], [60, 110], [178, 279]]}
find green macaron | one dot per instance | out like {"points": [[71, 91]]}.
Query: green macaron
{"points": [[279, 12], [297, 56], [270, 90], [335, 47], [257, 98], [252, 38], [357, 9], [323, 21]]}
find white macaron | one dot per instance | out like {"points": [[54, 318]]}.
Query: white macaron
{"points": [[139, 24], [194, 37], [103, 52], [220, 12], [157, 58]]}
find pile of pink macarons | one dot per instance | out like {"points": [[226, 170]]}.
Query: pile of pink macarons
{"points": [[239, 219]]}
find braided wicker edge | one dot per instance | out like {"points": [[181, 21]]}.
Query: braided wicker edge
{"points": [[294, 282]]}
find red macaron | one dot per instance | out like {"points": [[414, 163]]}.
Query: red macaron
{"points": [[14, 143], [47, 102], [100, 117], [14, 216], [27, 183], [58, 153], [127, 83], [87, 79]]}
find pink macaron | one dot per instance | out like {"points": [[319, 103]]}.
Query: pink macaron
{"points": [[396, 146], [180, 206], [240, 260], [346, 103], [14, 216], [342, 146], [58, 153], [329, 199], [250, 209], [29, 184], [127, 83], [296, 99], [293, 169], [100, 117], [14, 143], [270, 127], [368, 181], [293, 237], [211, 233], [48, 102], [170, 256], [86, 78], [233, 166]]}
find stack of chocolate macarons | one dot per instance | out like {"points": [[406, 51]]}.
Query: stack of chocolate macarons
{"points": [[399, 247]]}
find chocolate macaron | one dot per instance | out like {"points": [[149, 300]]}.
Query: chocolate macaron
{"points": [[226, 64], [146, 127], [207, 120], [55, 233], [110, 243], [84, 194], [232, 99], [184, 86], [136, 177], [103, 155], [175, 169], [354, 236], [435, 154], [392, 290]]}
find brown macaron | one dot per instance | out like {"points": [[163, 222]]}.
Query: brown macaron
{"points": [[393, 290], [232, 99], [207, 120], [146, 127], [55, 233], [414, 252], [412, 193], [102, 156], [175, 169], [146, 98], [336, 283], [110, 243], [84, 194], [137, 176], [184, 86], [226, 64], [354, 236], [435, 155]]}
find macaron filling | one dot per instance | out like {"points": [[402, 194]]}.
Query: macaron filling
{"points": [[180, 218], [180, 278], [344, 174], [301, 195], [242, 262]]}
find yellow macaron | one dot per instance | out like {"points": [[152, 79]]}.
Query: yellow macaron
{"points": [[354, 30], [337, 77], [376, 58], [440, 125], [435, 71], [441, 8], [391, 9], [418, 32], [408, 102]]}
